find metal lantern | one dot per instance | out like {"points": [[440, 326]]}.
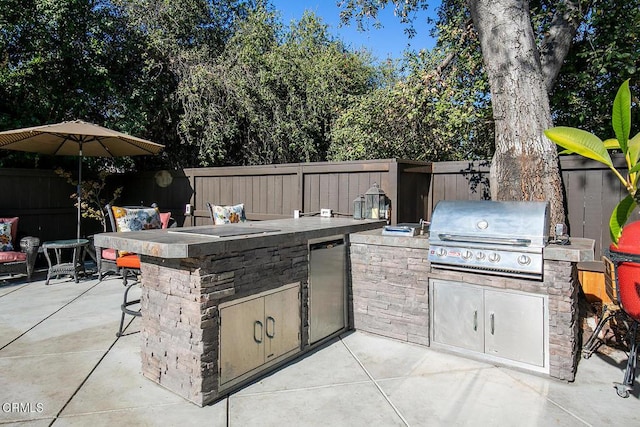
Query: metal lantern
{"points": [[358, 207], [375, 202]]}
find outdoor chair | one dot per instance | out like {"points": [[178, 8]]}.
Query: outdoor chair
{"points": [[124, 219], [106, 257], [226, 214], [16, 257]]}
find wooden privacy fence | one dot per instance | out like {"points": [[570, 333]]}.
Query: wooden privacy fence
{"points": [[270, 192], [42, 199]]}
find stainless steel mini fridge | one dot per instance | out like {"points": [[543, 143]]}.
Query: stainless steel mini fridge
{"points": [[327, 287]]}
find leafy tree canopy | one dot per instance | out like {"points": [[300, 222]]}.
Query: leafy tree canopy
{"points": [[272, 95], [225, 82], [603, 54], [79, 59]]}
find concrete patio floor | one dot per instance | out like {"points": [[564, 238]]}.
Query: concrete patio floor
{"points": [[61, 364]]}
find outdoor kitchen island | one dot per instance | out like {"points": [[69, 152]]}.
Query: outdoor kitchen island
{"points": [[532, 324], [223, 304]]}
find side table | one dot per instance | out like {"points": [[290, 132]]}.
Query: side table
{"points": [[71, 268]]}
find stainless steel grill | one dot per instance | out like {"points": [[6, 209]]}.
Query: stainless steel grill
{"points": [[505, 238]]}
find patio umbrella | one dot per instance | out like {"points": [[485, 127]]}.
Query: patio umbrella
{"points": [[76, 138]]}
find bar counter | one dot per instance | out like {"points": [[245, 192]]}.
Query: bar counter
{"points": [[223, 305], [188, 242]]}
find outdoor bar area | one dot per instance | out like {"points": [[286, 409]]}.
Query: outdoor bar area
{"points": [[202, 286], [224, 305]]}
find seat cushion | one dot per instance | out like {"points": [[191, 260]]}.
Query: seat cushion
{"points": [[228, 214], [12, 256], [136, 219], [128, 261], [5, 237], [165, 217], [109, 253]]}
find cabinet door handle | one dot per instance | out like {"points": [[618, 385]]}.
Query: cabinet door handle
{"points": [[475, 320], [257, 339], [273, 327], [492, 321]]}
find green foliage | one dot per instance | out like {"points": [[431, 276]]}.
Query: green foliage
{"points": [[80, 59], [173, 26], [225, 82], [604, 53], [272, 95], [588, 145], [363, 10], [382, 125], [437, 109]]}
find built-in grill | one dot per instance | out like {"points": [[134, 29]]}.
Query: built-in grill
{"points": [[505, 238]]}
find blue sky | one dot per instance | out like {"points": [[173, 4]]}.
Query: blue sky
{"points": [[387, 41]]}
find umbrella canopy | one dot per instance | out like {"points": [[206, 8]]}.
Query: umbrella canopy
{"points": [[76, 138]]}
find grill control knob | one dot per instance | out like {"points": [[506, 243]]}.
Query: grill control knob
{"points": [[441, 252], [480, 256], [467, 255], [493, 257], [524, 260]]}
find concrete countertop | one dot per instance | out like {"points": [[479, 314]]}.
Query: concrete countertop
{"points": [[187, 242], [578, 250]]}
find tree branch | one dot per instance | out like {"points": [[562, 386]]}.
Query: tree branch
{"points": [[557, 42], [436, 74]]}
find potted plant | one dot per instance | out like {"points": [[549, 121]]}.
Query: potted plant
{"points": [[589, 145], [625, 249]]}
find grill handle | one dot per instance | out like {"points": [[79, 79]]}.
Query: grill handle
{"points": [[447, 237]]}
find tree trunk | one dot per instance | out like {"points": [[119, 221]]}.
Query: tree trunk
{"points": [[525, 163]]}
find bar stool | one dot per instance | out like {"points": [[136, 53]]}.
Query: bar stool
{"points": [[128, 264]]}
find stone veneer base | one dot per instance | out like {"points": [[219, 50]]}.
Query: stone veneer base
{"points": [[390, 296], [180, 317], [389, 293]]}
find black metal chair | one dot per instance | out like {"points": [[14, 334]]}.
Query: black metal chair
{"points": [[106, 257], [127, 264]]}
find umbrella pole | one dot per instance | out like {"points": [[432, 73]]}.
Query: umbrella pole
{"points": [[79, 189]]}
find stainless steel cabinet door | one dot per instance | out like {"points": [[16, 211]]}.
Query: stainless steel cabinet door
{"points": [[514, 326], [458, 315], [281, 323], [327, 294], [241, 338]]}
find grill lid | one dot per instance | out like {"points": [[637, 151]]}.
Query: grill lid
{"points": [[517, 224]]}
